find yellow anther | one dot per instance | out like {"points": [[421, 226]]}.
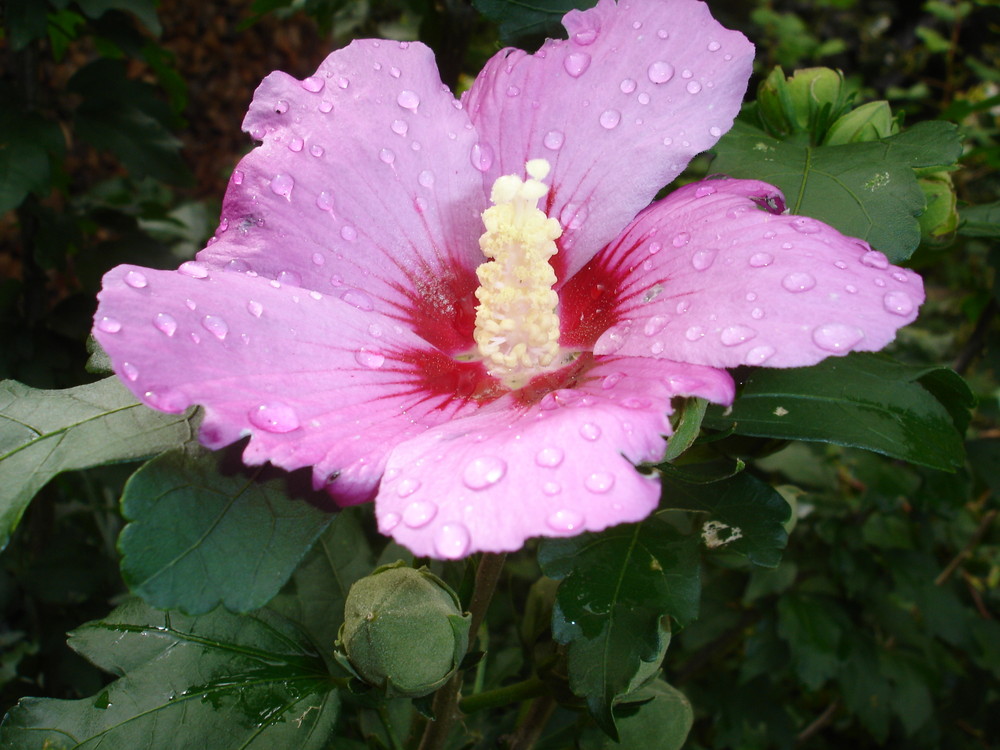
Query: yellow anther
{"points": [[517, 327]]}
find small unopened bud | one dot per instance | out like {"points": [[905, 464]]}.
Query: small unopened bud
{"points": [[869, 122], [806, 102], [404, 631], [940, 218]]}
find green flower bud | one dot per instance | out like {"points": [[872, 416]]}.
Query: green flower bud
{"points": [[940, 217], [655, 717], [869, 122], [806, 102], [404, 631]]}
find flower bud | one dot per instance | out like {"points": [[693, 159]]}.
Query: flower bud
{"points": [[805, 102], [869, 122], [404, 631], [940, 217]]}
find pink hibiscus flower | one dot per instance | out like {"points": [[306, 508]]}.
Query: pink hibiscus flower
{"points": [[333, 317]]}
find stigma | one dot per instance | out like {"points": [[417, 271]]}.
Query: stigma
{"points": [[517, 325]]}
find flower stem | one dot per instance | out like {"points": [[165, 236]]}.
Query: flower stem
{"points": [[519, 691], [445, 705]]}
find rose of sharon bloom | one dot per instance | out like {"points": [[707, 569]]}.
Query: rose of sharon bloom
{"points": [[337, 318]]}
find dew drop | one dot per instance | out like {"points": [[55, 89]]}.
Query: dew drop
{"points": [[553, 140], [399, 127], [549, 457], [388, 522], [576, 63], [289, 278], [349, 233], [426, 178], [694, 333], [130, 371], [281, 106], [513, 91], [165, 323], [255, 308], [419, 513], [600, 482], [837, 337], [610, 118], [898, 303], [680, 240], [336, 280], [357, 298], [590, 431], [324, 201], [683, 306], [756, 313], [136, 280], [369, 358], [172, 402], [715, 132], [759, 355], [655, 324], [643, 98], [313, 84], [237, 177], [760, 260], [660, 71], [452, 541], [483, 472], [840, 264], [109, 325], [703, 259], [564, 520], [386, 156], [714, 46], [282, 185], [663, 33], [875, 259], [216, 326], [481, 156], [316, 150], [585, 37], [551, 488], [799, 281], [296, 145], [627, 86], [654, 248], [735, 335], [408, 99], [194, 269], [407, 487], [326, 107], [703, 191], [805, 225], [274, 416], [343, 82], [394, 71], [693, 87], [851, 289]]}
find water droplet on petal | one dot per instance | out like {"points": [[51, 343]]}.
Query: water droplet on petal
{"points": [[216, 326], [165, 323], [407, 487], [703, 191], [136, 280], [851, 289], [654, 248], [549, 457], [369, 358], [681, 239], [419, 513], [703, 259], [109, 325], [715, 132], [759, 355], [408, 99], [590, 431], [643, 98], [610, 118], [426, 178], [274, 416], [805, 225], [756, 313], [610, 381], [324, 201], [349, 233], [395, 72], [551, 488], [388, 522], [627, 86], [600, 482], [798, 281], [237, 177], [837, 337], [683, 306], [693, 87], [165, 399], [553, 140], [576, 64], [875, 259], [655, 324], [585, 37], [313, 84], [326, 107], [714, 46], [291, 278], [694, 333], [660, 72], [483, 472], [452, 541], [282, 185], [399, 127], [898, 303], [386, 156], [281, 106], [513, 91], [357, 298], [662, 33], [194, 269], [481, 156], [565, 520], [840, 264], [255, 308], [296, 144], [734, 335], [130, 371]]}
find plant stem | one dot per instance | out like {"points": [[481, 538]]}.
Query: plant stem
{"points": [[445, 705], [519, 691]]}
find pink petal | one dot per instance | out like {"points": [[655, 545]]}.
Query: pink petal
{"points": [[618, 109], [558, 467], [312, 379], [363, 181], [706, 276]]}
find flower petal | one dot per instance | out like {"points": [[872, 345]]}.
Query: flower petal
{"points": [[618, 110], [716, 280], [362, 181], [561, 466], [313, 379]]}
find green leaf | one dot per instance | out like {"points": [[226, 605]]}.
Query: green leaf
{"points": [[862, 401], [219, 681], [616, 587], [43, 433], [980, 221], [867, 190], [814, 627], [522, 21], [26, 142], [745, 515], [144, 10], [315, 596], [203, 534]]}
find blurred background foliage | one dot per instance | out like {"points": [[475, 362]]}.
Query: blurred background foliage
{"points": [[118, 131]]}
